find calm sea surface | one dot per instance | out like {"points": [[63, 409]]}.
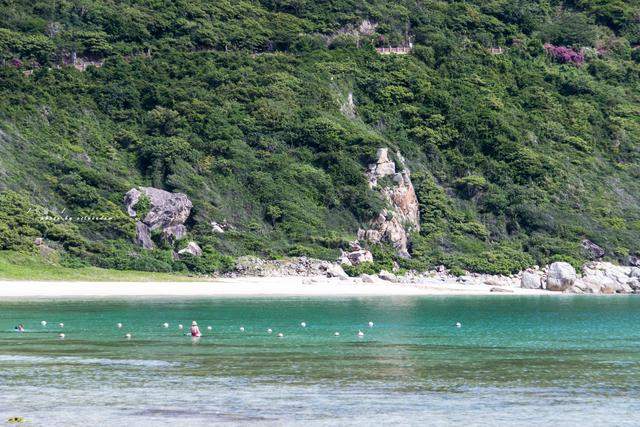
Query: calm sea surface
{"points": [[515, 361]]}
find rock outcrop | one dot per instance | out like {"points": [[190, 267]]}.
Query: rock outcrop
{"points": [[607, 278], [167, 212], [561, 276], [355, 256], [594, 251], [192, 249], [402, 216]]}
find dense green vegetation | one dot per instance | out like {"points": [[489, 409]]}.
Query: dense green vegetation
{"points": [[516, 157]]}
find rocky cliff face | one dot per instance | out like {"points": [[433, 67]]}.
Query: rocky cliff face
{"points": [[167, 211], [402, 215]]}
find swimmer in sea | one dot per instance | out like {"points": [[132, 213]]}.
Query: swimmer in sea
{"points": [[19, 328], [195, 331]]}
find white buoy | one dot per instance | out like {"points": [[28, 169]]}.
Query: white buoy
{"points": [[241, 328], [269, 330], [43, 323], [336, 334], [458, 325], [180, 326], [360, 333], [61, 324], [280, 335], [127, 336], [371, 324], [61, 336], [165, 325], [303, 324], [209, 328], [119, 325]]}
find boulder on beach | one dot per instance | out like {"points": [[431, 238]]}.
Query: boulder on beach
{"points": [[530, 280], [561, 276]]}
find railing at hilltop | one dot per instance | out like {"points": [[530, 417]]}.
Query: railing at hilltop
{"points": [[400, 50]]}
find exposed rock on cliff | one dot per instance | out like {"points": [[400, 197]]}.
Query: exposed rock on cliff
{"points": [[192, 249], [402, 216], [355, 256], [167, 211]]}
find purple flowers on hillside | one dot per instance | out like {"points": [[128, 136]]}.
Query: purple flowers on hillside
{"points": [[564, 54]]}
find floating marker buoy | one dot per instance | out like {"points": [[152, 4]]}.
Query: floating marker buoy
{"points": [[180, 327], [360, 333], [209, 328], [127, 336], [61, 324], [43, 323], [119, 325], [165, 325], [269, 331], [336, 334], [241, 328], [458, 325], [303, 324], [371, 324], [280, 335], [61, 336]]}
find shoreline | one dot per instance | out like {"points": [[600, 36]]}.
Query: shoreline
{"points": [[252, 286]]}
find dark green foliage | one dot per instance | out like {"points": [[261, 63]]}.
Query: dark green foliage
{"points": [[516, 157]]}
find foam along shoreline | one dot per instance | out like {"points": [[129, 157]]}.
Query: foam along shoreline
{"points": [[253, 286]]}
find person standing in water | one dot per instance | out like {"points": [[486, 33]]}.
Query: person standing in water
{"points": [[195, 331], [19, 328]]}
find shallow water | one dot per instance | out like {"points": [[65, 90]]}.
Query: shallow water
{"points": [[514, 361]]}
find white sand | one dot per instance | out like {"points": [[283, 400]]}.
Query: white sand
{"points": [[248, 286]]}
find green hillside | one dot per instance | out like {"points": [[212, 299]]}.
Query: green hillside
{"points": [[519, 120]]}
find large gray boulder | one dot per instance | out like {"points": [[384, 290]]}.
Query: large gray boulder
{"points": [[561, 276], [166, 209], [174, 232], [143, 236], [531, 280], [167, 212]]}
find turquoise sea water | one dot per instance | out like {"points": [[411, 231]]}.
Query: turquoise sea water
{"points": [[515, 361]]}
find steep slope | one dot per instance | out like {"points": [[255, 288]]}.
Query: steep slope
{"points": [[518, 120]]}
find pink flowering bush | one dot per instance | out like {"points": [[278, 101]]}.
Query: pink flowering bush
{"points": [[564, 54]]}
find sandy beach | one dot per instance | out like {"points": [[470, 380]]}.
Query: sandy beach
{"points": [[249, 286]]}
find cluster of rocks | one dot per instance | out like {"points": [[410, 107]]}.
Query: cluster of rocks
{"points": [[402, 216], [355, 256], [596, 278], [167, 213], [298, 266]]}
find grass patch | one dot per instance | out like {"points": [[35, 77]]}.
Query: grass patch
{"points": [[17, 266]]}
